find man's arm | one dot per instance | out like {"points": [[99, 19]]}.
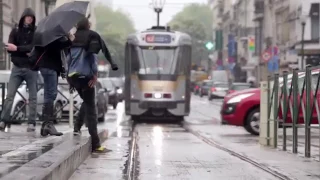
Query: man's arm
{"points": [[25, 48], [12, 36]]}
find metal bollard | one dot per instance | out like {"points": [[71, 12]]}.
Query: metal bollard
{"points": [[71, 107]]}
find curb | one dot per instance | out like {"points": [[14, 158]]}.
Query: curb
{"points": [[60, 162]]}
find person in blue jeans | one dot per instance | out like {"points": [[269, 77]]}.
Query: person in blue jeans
{"points": [[19, 46], [50, 61]]}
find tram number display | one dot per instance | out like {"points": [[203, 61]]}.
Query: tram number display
{"points": [[158, 38]]}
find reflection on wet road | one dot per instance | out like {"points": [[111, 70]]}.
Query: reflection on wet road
{"points": [[170, 152], [199, 148]]}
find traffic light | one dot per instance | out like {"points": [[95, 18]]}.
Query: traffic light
{"points": [[209, 45], [251, 43]]}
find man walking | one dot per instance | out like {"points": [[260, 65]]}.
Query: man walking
{"points": [[82, 76], [19, 46]]}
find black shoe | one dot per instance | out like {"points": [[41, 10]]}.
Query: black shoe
{"points": [[49, 129], [3, 126]]}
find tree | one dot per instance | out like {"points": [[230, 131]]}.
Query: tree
{"points": [[195, 20], [114, 27]]}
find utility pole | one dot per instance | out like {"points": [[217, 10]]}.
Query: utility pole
{"points": [[269, 35]]}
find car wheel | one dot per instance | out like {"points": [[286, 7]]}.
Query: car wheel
{"points": [[252, 124], [210, 97], [22, 112], [58, 112]]}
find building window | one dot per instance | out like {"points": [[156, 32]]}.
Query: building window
{"points": [[315, 26]]}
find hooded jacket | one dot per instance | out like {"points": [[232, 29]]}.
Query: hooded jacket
{"points": [[22, 37]]}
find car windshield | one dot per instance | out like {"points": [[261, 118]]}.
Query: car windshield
{"points": [[107, 84], [240, 87], [207, 83], [117, 82], [220, 85]]}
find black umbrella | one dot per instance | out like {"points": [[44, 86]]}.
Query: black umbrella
{"points": [[59, 22]]}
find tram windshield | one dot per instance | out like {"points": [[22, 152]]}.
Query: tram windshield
{"points": [[158, 60]]}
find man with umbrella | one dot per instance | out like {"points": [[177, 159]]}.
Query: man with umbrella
{"points": [[19, 46], [51, 39]]}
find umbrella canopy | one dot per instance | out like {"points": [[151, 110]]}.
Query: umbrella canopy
{"points": [[59, 22]]}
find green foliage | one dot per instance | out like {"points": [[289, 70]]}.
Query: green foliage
{"points": [[195, 20], [114, 27]]}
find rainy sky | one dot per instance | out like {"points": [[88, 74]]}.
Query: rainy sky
{"points": [[143, 15]]}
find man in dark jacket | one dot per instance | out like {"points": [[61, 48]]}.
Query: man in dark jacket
{"points": [[19, 46], [91, 43], [50, 62]]}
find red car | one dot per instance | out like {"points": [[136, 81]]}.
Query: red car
{"points": [[242, 108]]}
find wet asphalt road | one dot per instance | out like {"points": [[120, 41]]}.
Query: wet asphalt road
{"points": [[168, 151]]}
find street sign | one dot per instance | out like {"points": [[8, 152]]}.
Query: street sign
{"points": [[209, 45], [266, 56]]}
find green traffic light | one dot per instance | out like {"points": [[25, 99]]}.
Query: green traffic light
{"points": [[209, 45]]}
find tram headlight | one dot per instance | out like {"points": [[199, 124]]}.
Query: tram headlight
{"points": [[157, 95]]}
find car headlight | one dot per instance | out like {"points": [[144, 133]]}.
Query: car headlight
{"points": [[119, 91], [239, 98]]}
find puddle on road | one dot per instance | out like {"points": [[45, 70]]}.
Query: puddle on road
{"points": [[14, 162]]}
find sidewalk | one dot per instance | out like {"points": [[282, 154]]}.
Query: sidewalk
{"points": [[18, 137], [290, 165]]}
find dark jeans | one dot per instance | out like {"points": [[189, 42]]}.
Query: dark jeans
{"points": [[88, 111], [50, 87], [18, 75]]}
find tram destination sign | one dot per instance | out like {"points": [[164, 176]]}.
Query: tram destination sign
{"points": [[158, 38]]}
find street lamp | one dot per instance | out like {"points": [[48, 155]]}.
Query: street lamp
{"points": [[158, 7], [303, 20]]}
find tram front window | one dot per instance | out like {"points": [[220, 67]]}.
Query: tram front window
{"points": [[158, 60]]}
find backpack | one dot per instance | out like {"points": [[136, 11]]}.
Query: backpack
{"points": [[81, 67]]}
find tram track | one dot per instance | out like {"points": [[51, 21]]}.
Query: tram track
{"points": [[217, 145], [132, 172]]}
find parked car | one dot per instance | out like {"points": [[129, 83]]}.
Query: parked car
{"points": [[112, 91], [204, 87], [119, 84], [238, 87], [63, 98], [20, 109], [242, 108], [102, 101], [217, 90]]}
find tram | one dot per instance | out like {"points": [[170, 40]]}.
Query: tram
{"points": [[157, 74]]}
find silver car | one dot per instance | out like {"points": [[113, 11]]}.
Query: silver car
{"points": [[218, 90]]}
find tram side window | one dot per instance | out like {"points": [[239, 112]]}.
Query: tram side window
{"points": [[180, 68], [135, 65]]}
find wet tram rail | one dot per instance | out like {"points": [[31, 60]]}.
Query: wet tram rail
{"points": [[197, 156]]}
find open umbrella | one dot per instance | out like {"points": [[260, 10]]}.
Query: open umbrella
{"points": [[59, 22]]}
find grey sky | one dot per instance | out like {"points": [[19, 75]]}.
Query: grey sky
{"points": [[144, 17]]}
